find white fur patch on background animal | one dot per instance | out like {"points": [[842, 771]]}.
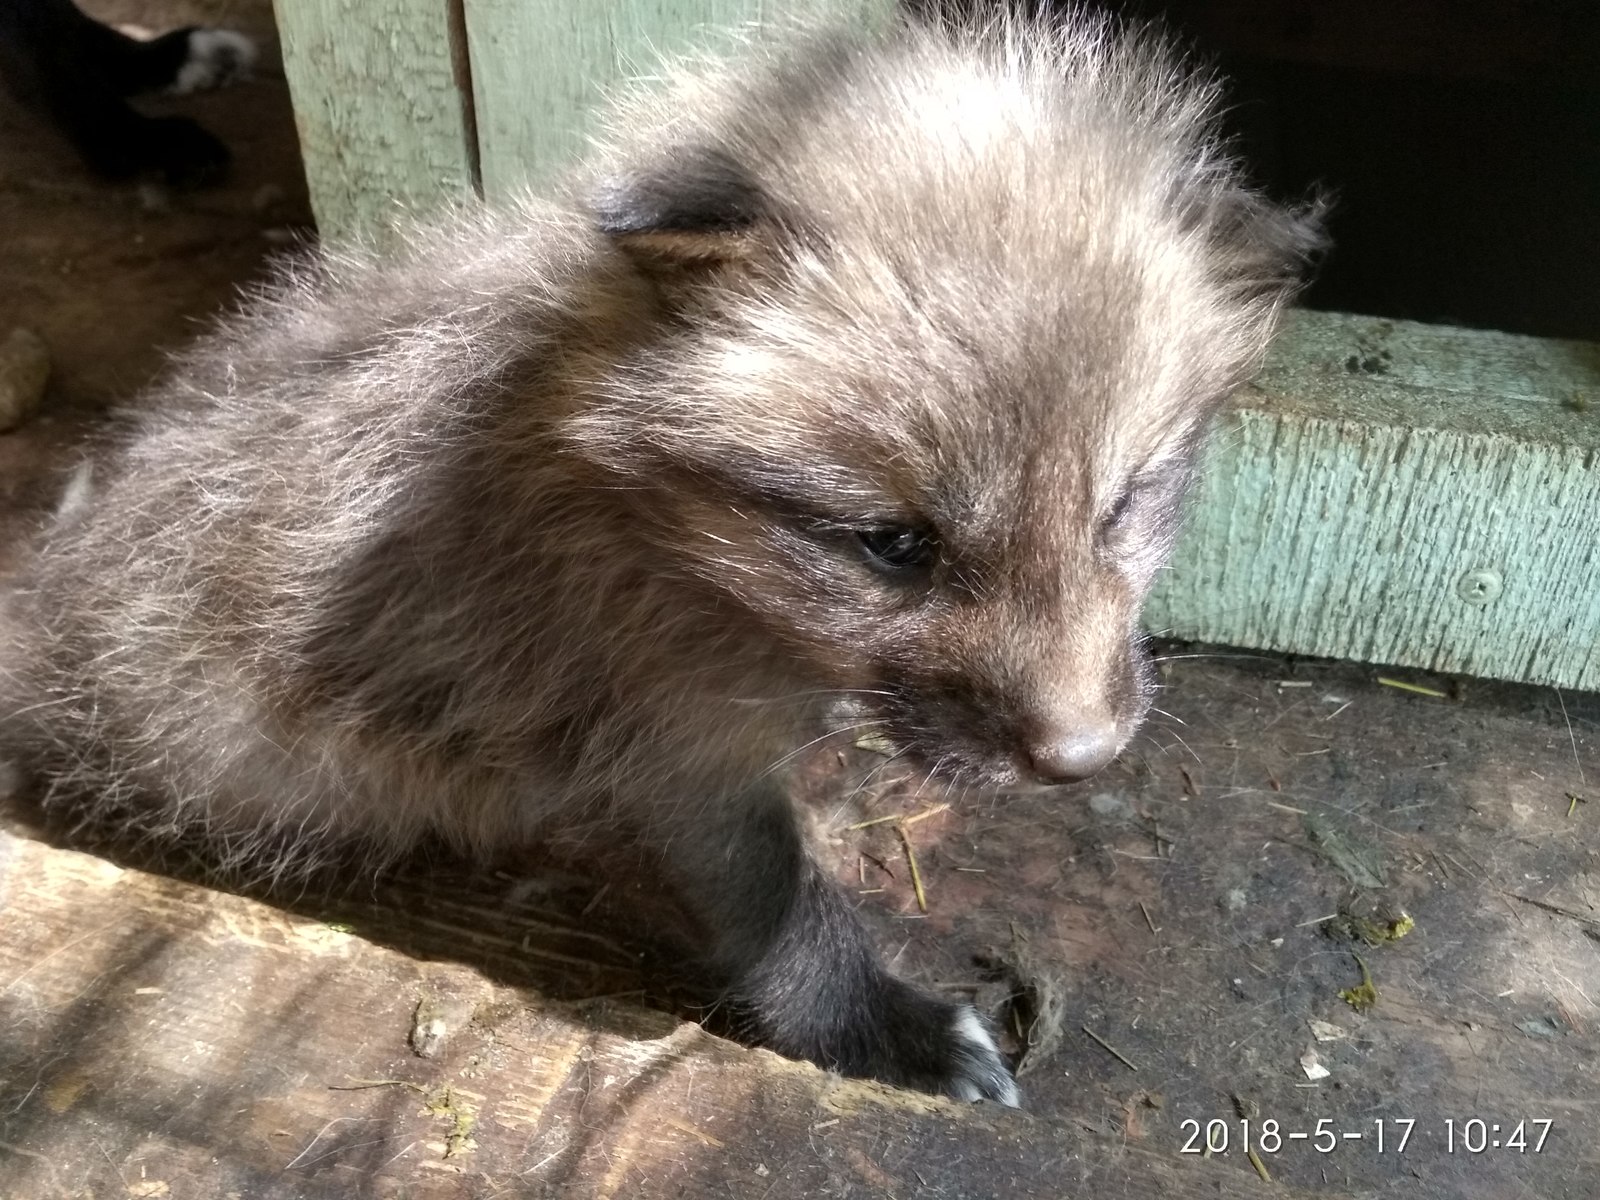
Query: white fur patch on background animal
{"points": [[216, 57]]}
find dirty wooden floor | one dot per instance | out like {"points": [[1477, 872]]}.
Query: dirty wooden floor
{"points": [[1167, 946]]}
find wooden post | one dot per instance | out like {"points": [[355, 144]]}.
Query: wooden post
{"points": [[540, 68], [383, 107], [405, 105]]}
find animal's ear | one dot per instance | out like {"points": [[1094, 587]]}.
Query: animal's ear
{"points": [[697, 207], [1267, 250]]}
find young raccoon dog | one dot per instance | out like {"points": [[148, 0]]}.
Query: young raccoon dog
{"points": [[860, 367]]}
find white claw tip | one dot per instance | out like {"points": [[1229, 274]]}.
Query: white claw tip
{"points": [[982, 1074]]}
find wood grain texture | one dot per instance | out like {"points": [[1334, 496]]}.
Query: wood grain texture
{"points": [[1399, 493], [162, 1040], [541, 67], [382, 108]]}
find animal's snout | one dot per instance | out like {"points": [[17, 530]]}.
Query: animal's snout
{"points": [[1071, 747]]}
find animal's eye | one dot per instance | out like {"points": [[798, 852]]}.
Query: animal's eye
{"points": [[895, 548], [1118, 512]]}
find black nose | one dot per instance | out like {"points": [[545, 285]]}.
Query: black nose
{"points": [[1073, 752]]}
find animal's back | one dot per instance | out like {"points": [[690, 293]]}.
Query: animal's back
{"points": [[239, 510]]}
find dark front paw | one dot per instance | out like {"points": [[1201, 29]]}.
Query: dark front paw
{"points": [[898, 1034], [975, 1070], [935, 1046]]}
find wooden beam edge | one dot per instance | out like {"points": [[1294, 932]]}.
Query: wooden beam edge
{"points": [[1396, 493]]}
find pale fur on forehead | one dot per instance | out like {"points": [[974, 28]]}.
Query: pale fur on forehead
{"points": [[1012, 185], [994, 237], [1006, 126]]}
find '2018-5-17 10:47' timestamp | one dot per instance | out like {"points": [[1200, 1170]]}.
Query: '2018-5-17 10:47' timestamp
{"points": [[1387, 1135]]}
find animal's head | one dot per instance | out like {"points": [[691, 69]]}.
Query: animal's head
{"points": [[943, 322]]}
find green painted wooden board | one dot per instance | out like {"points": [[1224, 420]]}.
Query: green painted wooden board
{"points": [[382, 108], [1400, 493], [531, 120], [406, 105], [540, 68]]}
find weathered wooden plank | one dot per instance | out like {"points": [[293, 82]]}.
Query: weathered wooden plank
{"points": [[1401, 493], [541, 67], [153, 1032], [382, 106], [161, 1040]]}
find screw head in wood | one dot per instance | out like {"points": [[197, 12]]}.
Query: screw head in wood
{"points": [[1480, 587]]}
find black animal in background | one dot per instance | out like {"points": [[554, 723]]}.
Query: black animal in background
{"points": [[79, 73]]}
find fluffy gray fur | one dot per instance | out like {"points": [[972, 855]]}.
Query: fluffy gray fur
{"points": [[563, 516]]}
